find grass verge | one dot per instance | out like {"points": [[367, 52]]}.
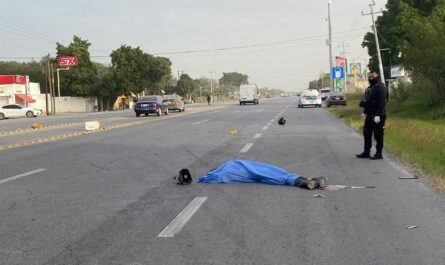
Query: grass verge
{"points": [[413, 133]]}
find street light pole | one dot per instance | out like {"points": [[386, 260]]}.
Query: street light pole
{"points": [[376, 37], [330, 44]]}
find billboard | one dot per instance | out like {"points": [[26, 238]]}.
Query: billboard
{"points": [[67, 61], [397, 71], [355, 68]]}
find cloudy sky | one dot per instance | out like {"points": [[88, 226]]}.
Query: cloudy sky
{"points": [[279, 44]]}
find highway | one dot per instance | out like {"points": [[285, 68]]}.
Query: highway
{"points": [[109, 197]]}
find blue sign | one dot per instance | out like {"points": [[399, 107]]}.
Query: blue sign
{"points": [[338, 72]]}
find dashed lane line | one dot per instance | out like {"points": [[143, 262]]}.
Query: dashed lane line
{"points": [[246, 148], [257, 136], [233, 112], [258, 111], [182, 218], [265, 128], [22, 175], [199, 122]]}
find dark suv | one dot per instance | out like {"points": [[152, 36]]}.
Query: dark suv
{"points": [[150, 104]]}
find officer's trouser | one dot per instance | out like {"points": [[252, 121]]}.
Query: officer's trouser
{"points": [[371, 127]]}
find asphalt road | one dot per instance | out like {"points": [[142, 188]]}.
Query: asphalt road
{"points": [[110, 198]]}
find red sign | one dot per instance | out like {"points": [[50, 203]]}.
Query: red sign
{"points": [[12, 79], [67, 60], [340, 61]]}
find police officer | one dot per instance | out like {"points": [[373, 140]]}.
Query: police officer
{"points": [[373, 104]]}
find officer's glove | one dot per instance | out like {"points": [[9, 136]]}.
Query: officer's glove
{"points": [[377, 119], [364, 116]]}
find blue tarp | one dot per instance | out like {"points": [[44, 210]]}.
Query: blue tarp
{"points": [[244, 171]]}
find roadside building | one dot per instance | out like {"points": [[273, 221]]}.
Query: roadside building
{"points": [[16, 89]]}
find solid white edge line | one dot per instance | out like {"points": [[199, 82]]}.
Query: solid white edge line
{"points": [[258, 135], [22, 175], [246, 148], [201, 122], [265, 128], [182, 218]]}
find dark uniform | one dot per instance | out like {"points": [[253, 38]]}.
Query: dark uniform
{"points": [[373, 103]]}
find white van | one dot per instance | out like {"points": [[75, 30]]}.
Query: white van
{"points": [[249, 94]]}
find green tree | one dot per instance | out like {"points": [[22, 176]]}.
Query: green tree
{"points": [[33, 69], [79, 80], [136, 71], [230, 82], [186, 86]]}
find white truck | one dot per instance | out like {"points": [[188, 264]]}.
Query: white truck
{"points": [[249, 94]]}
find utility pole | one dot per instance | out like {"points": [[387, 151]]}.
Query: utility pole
{"points": [[345, 90], [58, 85], [211, 83], [329, 43], [379, 56], [53, 94], [50, 86], [46, 87]]}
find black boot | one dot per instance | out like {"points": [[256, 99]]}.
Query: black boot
{"points": [[377, 156], [305, 183], [363, 155]]}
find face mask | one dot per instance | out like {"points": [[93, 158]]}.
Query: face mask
{"points": [[373, 82]]}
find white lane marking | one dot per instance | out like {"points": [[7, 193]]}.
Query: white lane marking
{"points": [[22, 175], [258, 111], [268, 124], [265, 128], [236, 111], [246, 148], [201, 121], [182, 218], [258, 135], [216, 111], [272, 120]]}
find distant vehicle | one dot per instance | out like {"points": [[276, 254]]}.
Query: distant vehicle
{"points": [[174, 102], [284, 95], [150, 104], [324, 93], [336, 98], [15, 111], [309, 97], [249, 94]]}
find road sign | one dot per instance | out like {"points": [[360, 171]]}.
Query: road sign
{"points": [[67, 61], [338, 72]]}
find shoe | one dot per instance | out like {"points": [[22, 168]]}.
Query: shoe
{"points": [[305, 183], [363, 155], [377, 156]]}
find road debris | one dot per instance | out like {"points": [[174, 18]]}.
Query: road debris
{"points": [[319, 196], [412, 227], [36, 126], [414, 177], [281, 121], [233, 132], [184, 177], [342, 187]]}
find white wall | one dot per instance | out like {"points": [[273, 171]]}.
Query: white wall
{"points": [[67, 104]]}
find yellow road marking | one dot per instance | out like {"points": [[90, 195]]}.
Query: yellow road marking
{"points": [[112, 127]]}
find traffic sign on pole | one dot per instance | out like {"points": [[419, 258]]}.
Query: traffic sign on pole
{"points": [[338, 72], [67, 61]]}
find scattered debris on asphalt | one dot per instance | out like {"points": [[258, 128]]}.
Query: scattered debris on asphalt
{"points": [[319, 196], [36, 126], [281, 121], [341, 187], [411, 227], [184, 177], [414, 177]]}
